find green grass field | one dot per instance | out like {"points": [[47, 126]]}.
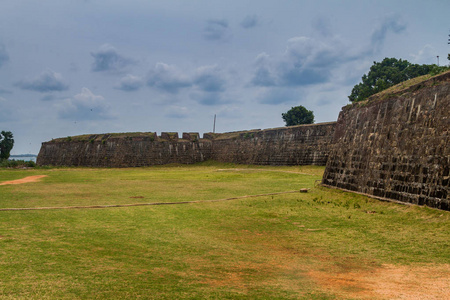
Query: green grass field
{"points": [[267, 247]]}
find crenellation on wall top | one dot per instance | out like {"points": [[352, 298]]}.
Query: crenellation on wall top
{"points": [[171, 136]]}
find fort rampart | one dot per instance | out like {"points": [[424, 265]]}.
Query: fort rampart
{"points": [[396, 146], [295, 145]]}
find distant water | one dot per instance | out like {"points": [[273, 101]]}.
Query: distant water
{"points": [[25, 158]]}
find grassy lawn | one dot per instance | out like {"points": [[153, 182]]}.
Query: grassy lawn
{"points": [[268, 247]]}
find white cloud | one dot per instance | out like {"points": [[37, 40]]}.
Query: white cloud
{"points": [[85, 106]]}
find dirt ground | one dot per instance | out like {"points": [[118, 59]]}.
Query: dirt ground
{"points": [[24, 180], [388, 282]]}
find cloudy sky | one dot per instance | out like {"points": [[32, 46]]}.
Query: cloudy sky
{"points": [[70, 67]]}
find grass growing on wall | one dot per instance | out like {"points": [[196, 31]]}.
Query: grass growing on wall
{"points": [[253, 248]]}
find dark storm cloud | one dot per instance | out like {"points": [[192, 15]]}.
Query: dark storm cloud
{"points": [[84, 106], [130, 83], [47, 81], [249, 21], [107, 59], [167, 78], [4, 57], [215, 29]]}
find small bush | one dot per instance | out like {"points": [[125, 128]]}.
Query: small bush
{"points": [[17, 164]]}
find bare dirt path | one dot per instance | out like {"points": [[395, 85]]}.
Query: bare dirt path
{"points": [[28, 179]]}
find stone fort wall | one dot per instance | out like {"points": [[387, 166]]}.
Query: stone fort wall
{"points": [[294, 145], [396, 146]]}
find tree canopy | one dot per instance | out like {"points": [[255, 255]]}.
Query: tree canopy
{"points": [[298, 115], [6, 144], [387, 73]]}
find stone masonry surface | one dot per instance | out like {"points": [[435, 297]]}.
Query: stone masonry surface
{"points": [[396, 148], [295, 145]]}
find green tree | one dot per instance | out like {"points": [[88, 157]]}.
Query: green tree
{"points": [[298, 115], [6, 144], [387, 73]]}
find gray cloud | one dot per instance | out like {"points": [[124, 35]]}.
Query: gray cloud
{"points": [[167, 78], [215, 29], [210, 79], [47, 81], [306, 61], [84, 106], [48, 98], [322, 26], [310, 61], [6, 113], [249, 21], [210, 86], [130, 83], [4, 57], [4, 91], [264, 74], [210, 98], [177, 112], [391, 23], [275, 96], [107, 59]]}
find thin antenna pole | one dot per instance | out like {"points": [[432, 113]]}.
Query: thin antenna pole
{"points": [[214, 127]]}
